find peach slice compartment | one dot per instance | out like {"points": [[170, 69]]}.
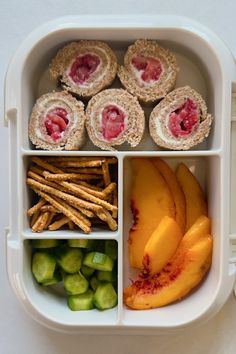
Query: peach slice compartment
{"points": [[205, 168]]}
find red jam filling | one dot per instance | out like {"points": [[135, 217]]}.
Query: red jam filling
{"points": [[83, 67], [151, 68], [184, 120], [113, 122], [56, 122]]}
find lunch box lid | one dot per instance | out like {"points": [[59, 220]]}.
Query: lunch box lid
{"points": [[113, 22]]}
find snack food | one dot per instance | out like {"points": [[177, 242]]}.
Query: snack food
{"points": [[113, 117], [68, 198], [57, 122], [84, 67], [149, 71], [180, 121]]}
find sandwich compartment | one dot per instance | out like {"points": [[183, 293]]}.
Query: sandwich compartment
{"points": [[207, 66]]}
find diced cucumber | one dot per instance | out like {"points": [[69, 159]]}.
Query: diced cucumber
{"points": [[94, 282], [57, 277], [75, 283], [105, 296], [43, 266], [70, 259], [47, 243], [103, 275], [98, 261], [81, 302], [87, 271], [81, 243], [111, 249]]}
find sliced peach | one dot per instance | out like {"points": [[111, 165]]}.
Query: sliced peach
{"points": [[195, 201], [185, 271], [199, 229], [151, 199], [176, 190], [161, 246]]}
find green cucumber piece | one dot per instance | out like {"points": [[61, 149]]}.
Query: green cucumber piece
{"points": [[111, 249], [75, 283], [47, 243], [69, 259], [81, 243], [105, 296], [98, 261], [94, 282], [103, 275], [57, 278], [81, 302], [87, 271], [43, 266]]}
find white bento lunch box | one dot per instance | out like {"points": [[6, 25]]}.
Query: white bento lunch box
{"points": [[207, 65]]}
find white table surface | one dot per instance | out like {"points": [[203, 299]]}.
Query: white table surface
{"points": [[19, 334]]}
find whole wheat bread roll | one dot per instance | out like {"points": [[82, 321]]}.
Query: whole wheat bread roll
{"points": [[113, 117], [57, 122], [85, 67], [149, 71], [180, 121]]}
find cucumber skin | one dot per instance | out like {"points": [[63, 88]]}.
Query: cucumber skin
{"points": [[98, 299], [81, 302], [64, 257], [111, 249], [57, 278], [106, 262], [45, 243], [40, 258], [87, 271], [94, 282], [105, 276], [81, 243]]}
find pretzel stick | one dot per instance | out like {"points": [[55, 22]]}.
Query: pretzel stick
{"points": [[81, 193], [110, 160], [45, 165], [37, 170], [34, 218], [36, 207], [106, 216], [97, 194], [51, 216], [106, 173], [41, 222], [92, 163], [115, 202], [43, 181], [109, 189], [59, 223], [93, 171], [66, 210], [49, 208], [75, 201], [85, 184], [68, 176]]}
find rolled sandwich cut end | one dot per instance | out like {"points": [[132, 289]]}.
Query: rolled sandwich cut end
{"points": [[57, 122], [149, 70], [113, 117], [85, 67], [180, 121]]}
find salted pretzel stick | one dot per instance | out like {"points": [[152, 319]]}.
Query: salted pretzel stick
{"points": [[66, 210], [34, 218], [72, 200], [68, 176], [45, 165], [40, 179], [37, 170], [109, 189], [51, 216], [115, 202], [85, 184], [81, 193], [71, 225], [92, 171], [86, 212], [93, 192], [41, 222], [106, 216], [106, 173], [59, 223], [110, 160], [49, 208], [36, 207], [92, 163]]}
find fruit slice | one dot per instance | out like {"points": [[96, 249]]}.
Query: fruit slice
{"points": [[195, 201], [200, 228], [161, 246], [177, 278], [151, 199], [175, 189]]}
